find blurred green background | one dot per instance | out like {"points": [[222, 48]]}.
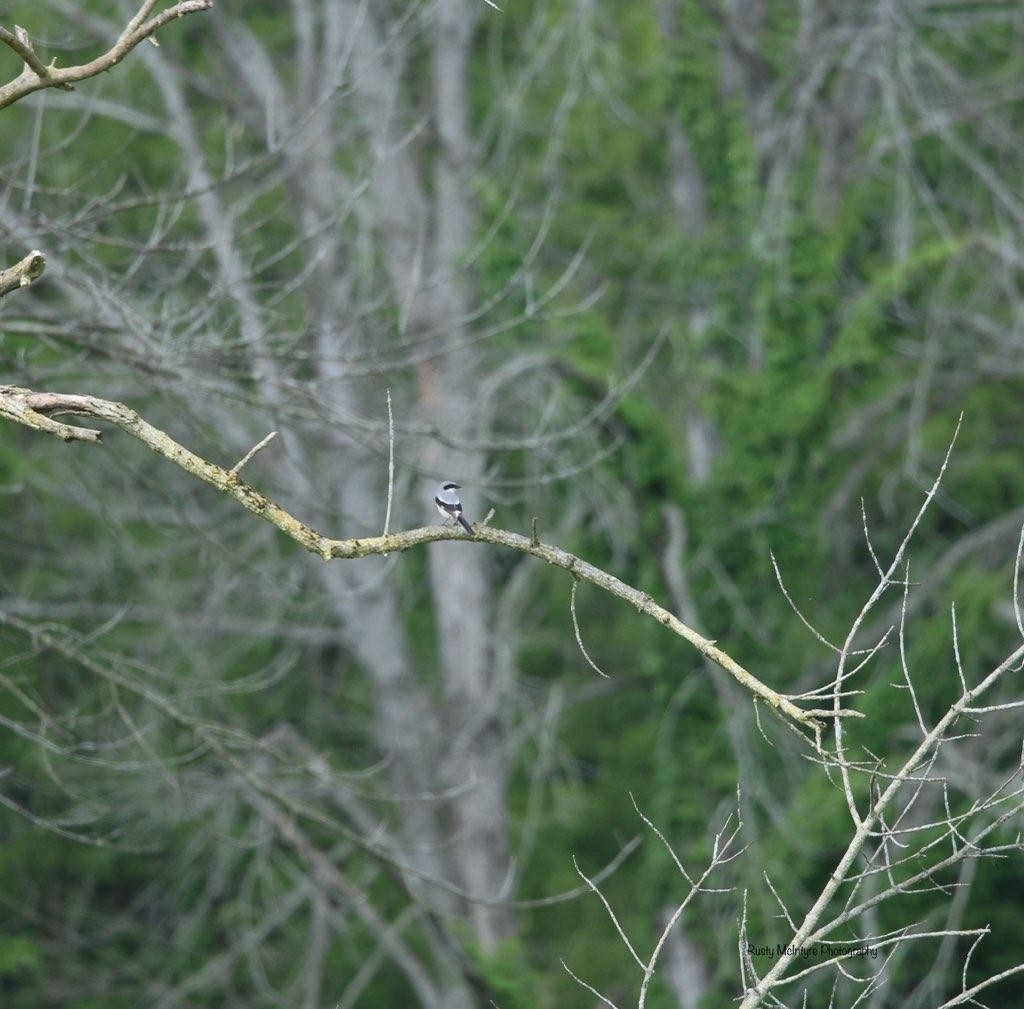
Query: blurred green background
{"points": [[688, 281]]}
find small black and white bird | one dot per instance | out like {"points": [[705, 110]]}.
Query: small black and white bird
{"points": [[449, 505]]}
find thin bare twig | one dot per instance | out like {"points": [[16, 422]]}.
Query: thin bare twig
{"points": [[391, 465], [590, 988], [579, 637], [722, 853], [234, 471], [611, 914]]}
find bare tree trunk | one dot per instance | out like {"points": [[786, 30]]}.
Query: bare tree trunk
{"points": [[462, 595], [686, 185], [685, 969], [743, 70], [405, 726]]}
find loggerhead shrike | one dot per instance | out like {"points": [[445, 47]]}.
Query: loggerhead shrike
{"points": [[449, 505]]}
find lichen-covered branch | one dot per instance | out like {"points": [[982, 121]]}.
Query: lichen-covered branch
{"points": [[23, 273], [36, 410], [37, 75]]}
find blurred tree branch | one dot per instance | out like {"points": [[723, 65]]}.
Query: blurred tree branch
{"points": [[34, 409], [36, 75]]}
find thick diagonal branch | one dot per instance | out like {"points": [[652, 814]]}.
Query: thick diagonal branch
{"points": [[34, 409]]}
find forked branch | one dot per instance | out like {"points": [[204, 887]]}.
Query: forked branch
{"points": [[37, 75]]}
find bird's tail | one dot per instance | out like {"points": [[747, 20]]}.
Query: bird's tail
{"points": [[465, 524]]}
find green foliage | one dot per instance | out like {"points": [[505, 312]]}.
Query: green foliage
{"points": [[854, 345], [506, 974], [19, 954]]}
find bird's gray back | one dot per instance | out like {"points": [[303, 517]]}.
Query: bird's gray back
{"points": [[448, 497]]}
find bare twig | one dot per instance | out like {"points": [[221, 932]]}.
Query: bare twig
{"points": [[579, 637], [590, 988], [611, 914], [884, 582], [903, 652], [1016, 583], [722, 853], [234, 471], [391, 465]]}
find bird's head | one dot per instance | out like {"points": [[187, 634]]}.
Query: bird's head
{"points": [[448, 485]]}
